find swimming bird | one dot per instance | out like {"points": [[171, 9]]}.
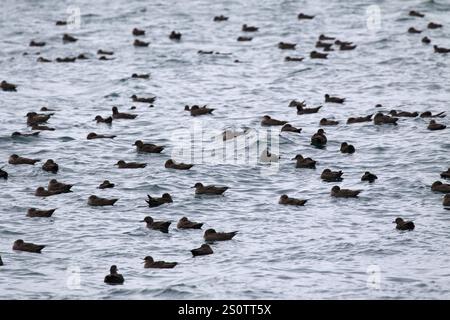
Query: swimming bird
{"points": [[304, 162], [210, 189], [212, 235], [331, 99], [122, 115], [446, 200], [241, 38], [318, 55], [69, 38], [426, 40], [156, 202], [6, 86], [440, 187], [380, 118], [320, 44], [175, 35], [195, 110], [284, 199], [104, 52], [41, 128], [37, 118], [106, 185], [433, 125], [1, 262], [204, 249], [220, 18], [130, 165], [303, 110], [138, 32], [100, 119], [104, 58], [33, 212], [403, 225], [326, 122], [185, 223], [359, 119], [15, 159], [20, 245], [413, 30], [428, 114], [295, 103], [346, 47], [42, 59], [170, 164], [319, 139], [399, 113], [162, 226], [331, 176], [323, 37], [302, 16], [150, 263], [336, 191], [268, 121], [347, 148], [440, 49], [113, 277], [433, 25], [61, 23], [140, 76], [367, 176], [446, 174], [247, 28], [54, 185], [82, 56], [93, 135], [95, 201], [50, 166], [286, 46], [289, 128], [41, 192], [340, 43], [66, 59], [139, 43], [298, 59], [414, 13], [26, 134], [36, 43], [147, 147], [3, 174], [142, 99]]}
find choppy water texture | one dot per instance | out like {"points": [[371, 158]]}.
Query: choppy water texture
{"points": [[322, 250]]}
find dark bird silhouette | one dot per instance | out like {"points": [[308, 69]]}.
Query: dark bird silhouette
{"points": [[195, 110], [284, 199], [289, 128], [170, 164], [121, 115], [138, 32], [247, 28], [331, 176], [34, 213], [204, 249], [331, 99], [95, 201], [106, 185], [212, 235], [20, 245], [156, 202], [113, 277], [304, 162], [319, 139], [268, 121], [433, 125], [147, 147], [210, 189], [150, 263], [403, 225], [185, 223], [162, 226], [347, 148], [130, 165], [50, 166], [367, 176], [6, 86], [336, 191], [15, 160]]}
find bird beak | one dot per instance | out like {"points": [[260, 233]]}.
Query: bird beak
{"points": [[393, 221], [142, 221], [293, 159]]}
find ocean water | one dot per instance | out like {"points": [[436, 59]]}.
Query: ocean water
{"points": [[328, 249]]}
